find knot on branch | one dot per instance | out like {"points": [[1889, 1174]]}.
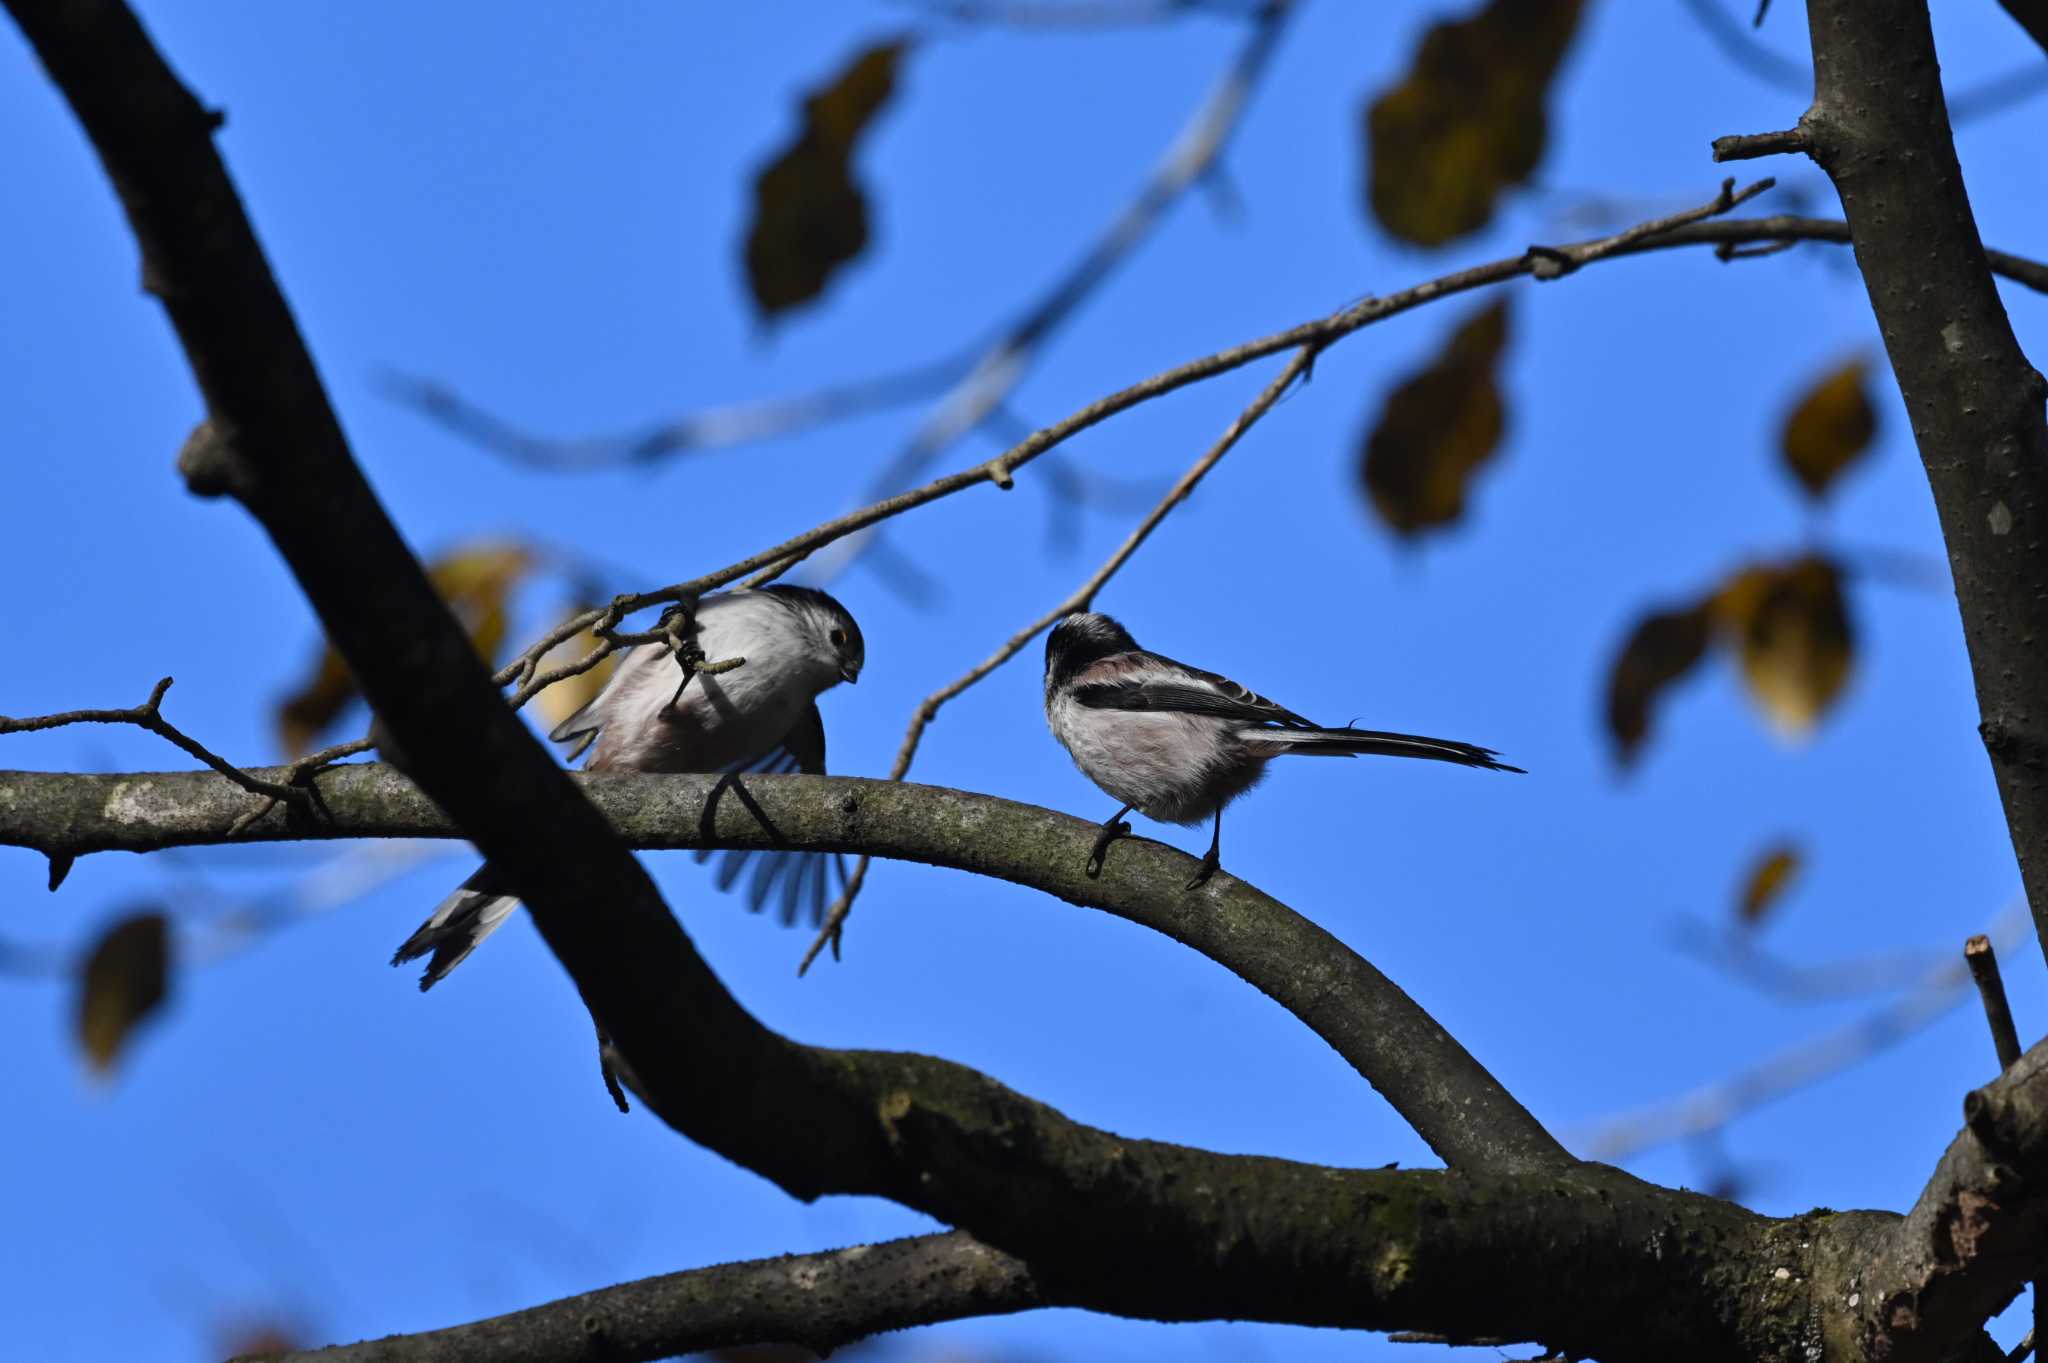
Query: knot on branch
{"points": [[2010, 744], [211, 465]]}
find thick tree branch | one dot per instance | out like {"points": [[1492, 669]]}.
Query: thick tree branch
{"points": [[1879, 127], [1432, 1081], [1127, 1226], [931, 1135], [821, 1301], [1838, 1285], [2031, 15]]}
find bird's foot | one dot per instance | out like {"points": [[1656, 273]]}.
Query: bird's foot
{"points": [[1107, 834], [1211, 863]]}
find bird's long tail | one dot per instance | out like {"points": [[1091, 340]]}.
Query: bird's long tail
{"points": [[1373, 743], [472, 913]]}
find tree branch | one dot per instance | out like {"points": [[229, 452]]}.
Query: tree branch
{"points": [[1129, 1226], [821, 1301], [928, 709], [2031, 15], [1879, 127], [1538, 261], [1437, 1086]]}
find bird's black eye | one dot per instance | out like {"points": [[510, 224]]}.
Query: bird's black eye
{"points": [[838, 638]]}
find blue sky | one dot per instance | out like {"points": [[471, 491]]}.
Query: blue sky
{"points": [[543, 206]]}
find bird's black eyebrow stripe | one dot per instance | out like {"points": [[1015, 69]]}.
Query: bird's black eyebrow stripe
{"points": [[797, 600]]}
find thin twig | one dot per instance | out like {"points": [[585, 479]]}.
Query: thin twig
{"points": [[1194, 155], [738, 423], [1087, 14], [295, 777], [967, 386], [149, 715], [1714, 1105], [1325, 331], [1982, 959], [1078, 599]]}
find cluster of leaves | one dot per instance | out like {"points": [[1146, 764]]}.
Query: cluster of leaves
{"points": [[479, 580], [1787, 623]]}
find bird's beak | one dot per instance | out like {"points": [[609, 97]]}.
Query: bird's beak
{"points": [[849, 674]]}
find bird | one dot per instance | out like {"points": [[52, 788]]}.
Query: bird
{"points": [[761, 715], [1178, 744]]}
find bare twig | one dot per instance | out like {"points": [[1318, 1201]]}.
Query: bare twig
{"points": [[149, 715], [738, 423], [1551, 262], [1195, 154], [1715, 1105], [1796, 77], [1795, 981], [296, 775], [1749, 146], [1982, 959], [1078, 599], [1544, 262], [1024, 14], [1326, 331], [969, 385]]}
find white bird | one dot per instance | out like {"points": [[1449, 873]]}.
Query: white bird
{"points": [[761, 716], [1178, 744]]}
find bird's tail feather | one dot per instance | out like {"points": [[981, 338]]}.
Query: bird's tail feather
{"points": [[457, 924], [1373, 743]]}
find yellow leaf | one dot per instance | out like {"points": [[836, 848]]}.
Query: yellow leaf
{"points": [[1766, 882], [476, 580], [571, 694], [124, 981], [1829, 428], [810, 217], [1467, 121], [1662, 648], [1790, 626], [1438, 428]]}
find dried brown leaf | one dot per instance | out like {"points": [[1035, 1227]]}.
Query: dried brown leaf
{"points": [[475, 579], [1467, 121], [1830, 427], [1789, 624], [1438, 428], [1661, 649], [125, 979], [810, 217], [1766, 882]]}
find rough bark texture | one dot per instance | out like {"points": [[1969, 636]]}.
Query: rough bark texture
{"points": [[1436, 1085], [820, 1301]]}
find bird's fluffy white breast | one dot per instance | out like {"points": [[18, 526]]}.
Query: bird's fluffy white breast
{"points": [[720, 720], [1169, 766]]}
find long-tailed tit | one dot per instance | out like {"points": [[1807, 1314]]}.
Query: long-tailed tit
{"points": [[760, 716], [1177, 743]]}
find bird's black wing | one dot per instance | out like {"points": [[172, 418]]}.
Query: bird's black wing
{"points": [[796, 881], [1149, 686]]}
